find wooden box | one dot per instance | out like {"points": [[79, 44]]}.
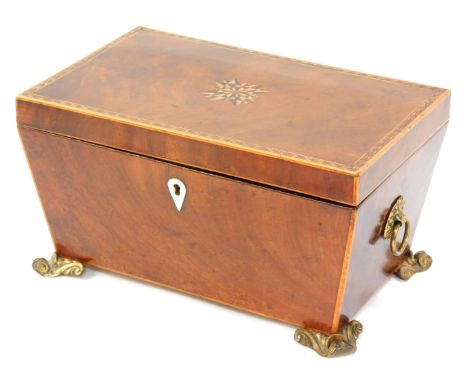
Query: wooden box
{"points": [[280, 187]]}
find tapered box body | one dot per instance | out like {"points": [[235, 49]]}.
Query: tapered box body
{"points": [[288, 170]]}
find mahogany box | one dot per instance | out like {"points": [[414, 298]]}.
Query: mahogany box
{"points": [[280, 187]]}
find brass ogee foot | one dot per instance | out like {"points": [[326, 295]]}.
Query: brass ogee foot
{"points": [[58, 266], [330, 345]]}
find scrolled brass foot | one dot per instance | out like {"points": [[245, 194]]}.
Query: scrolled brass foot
{"points": [[331, 345], [412, 264], [57, 266]]}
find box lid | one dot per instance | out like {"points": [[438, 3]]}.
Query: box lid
{"points": [[330, 133]]}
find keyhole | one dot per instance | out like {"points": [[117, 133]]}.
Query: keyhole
{"points": [[178, 191]]}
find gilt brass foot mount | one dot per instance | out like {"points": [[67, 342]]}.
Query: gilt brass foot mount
{"points": [[412, 264], [58, 266], [331, 345]]}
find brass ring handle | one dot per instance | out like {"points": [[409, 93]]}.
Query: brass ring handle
{"points": [[396, 219], [398, 251], [410, 263]]}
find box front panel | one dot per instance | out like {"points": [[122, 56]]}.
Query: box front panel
{"points": [[268, 252]]}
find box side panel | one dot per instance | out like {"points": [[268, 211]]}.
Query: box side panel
{"points": [[227, 158], [272, 253], [426, 125], [371, 260]]}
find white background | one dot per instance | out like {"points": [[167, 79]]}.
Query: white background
{"points": [[105, 327]]}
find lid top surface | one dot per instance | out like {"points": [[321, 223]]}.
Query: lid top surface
{"points": [[318, 115]]}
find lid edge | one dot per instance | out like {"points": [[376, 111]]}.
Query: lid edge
{"points": [[321, 182]]}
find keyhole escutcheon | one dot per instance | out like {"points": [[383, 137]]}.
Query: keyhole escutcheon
{"points": [[178, 191]]}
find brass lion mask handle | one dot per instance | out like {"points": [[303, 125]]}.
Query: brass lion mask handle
{"points": [[413, 263]]}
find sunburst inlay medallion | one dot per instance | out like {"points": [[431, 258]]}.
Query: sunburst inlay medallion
{"points": [[234, 91]]}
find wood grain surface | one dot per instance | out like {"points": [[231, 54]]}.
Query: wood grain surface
{"points": [[313, 129], [286, 192], [264, 251], [371, 262]]}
